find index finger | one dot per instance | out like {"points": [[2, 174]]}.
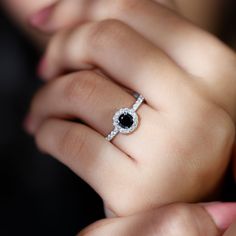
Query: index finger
{"points": [[179, 38]]}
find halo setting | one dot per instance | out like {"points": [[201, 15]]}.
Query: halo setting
{"points": [[126, 120]]}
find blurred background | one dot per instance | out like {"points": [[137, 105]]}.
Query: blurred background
{"points": [[39, 196]]}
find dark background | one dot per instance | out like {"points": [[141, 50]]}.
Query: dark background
{"points": [[39, 196]]}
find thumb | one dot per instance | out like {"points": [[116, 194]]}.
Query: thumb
{"points": [[223, 214], [175, 219]]}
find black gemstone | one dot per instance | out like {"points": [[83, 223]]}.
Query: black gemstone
{"points": [[126, 121]]}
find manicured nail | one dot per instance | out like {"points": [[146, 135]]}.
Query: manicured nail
{"points": [[40, 18], [223, 214]]}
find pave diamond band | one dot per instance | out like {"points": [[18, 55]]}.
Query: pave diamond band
{"points": [[126, 120]]}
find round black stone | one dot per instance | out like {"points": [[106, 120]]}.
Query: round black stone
{"points": [[126, 121]]}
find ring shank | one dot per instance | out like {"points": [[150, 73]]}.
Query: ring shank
{"points": [[112, 134]]}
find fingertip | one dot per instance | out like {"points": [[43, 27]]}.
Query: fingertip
{"points": [[27, 125], [223, 214], [44, 71], [40, 20]]}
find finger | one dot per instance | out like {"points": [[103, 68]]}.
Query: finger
{"points": [[182, 41], [90, 156], [223, 214], [82, 95], [112, 46], [172, 220], [60, 15], [194, 50], [68, 12], [179, 38], [169, 34], [231, 231], [93, 99]]}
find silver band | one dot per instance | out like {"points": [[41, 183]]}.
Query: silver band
{"points": [[126, 120]]}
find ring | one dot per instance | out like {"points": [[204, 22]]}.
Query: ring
{"points": [[126, 120]]}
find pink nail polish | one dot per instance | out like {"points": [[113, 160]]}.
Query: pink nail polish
{"points": [[41, 17], [223, 214]]}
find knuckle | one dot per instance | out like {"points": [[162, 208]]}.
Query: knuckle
{"points": [[176, 217], [81, 88], [215, 145], [180, 212], [125, 5], [103, 33], [72, 143], [212, 125], [221, 132]]}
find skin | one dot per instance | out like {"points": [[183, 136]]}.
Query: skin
{"points": [[205, 100], [206, 14], [172, 220], [200, 87]]}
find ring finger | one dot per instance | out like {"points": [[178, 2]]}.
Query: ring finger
{"points": [[84, 95]]}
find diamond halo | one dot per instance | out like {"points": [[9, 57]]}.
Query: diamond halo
{"points": [[126, 120], [125, 111]]}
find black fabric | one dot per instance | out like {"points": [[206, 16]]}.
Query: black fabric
{"points": [[38, 196]]}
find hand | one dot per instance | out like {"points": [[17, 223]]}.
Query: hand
{"points": [[186, 130], [176, 219], [65, 13]]}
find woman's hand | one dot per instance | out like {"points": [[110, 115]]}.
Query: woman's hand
{"points": [[183, 145], [173, 220], [193, 50], [65, 13]]}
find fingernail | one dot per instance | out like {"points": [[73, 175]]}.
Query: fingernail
{"points": [[40, 18], [27, 125], [223, 214]]}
